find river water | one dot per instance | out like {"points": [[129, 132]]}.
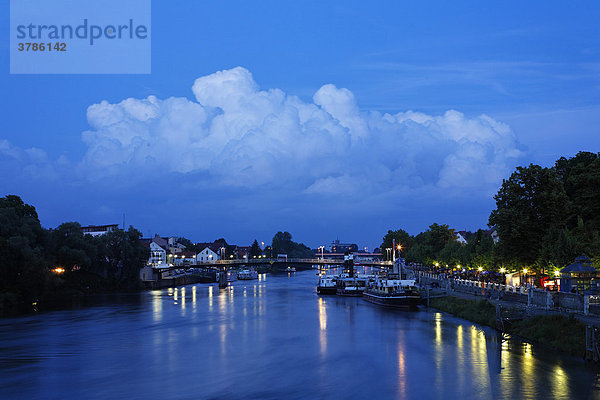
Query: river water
{"points": [[272, 338]]}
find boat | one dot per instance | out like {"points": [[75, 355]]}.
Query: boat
{"points": [[231, 276], [327, 284], [247, 274], [401, 293], [392, 289], [351, 286], [205, 275], [290, 269]]}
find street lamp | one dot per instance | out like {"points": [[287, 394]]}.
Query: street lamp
{"points": [[387, 252]]}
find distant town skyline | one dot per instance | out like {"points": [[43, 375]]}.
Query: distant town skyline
{"points": [[329, 121]]}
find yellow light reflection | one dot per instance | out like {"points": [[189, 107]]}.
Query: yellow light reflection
{"points": [[194, 296], [156, 305], [560, 382], [479, 361], [438, 329], [460, 356], [528, 369], [323, 327], [439, 350], [401, 367], [183, 298]]}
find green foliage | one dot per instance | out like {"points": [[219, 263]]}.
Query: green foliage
{"points": [[255, 249], [122, 256], [481, 312], [428, 245], [564, 333], [529, 204], [548, 216], [283, 244], [23, 269], [28, 252], [69, 248], [401, 237]]}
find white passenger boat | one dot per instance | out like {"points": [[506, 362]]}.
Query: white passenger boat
{"points": [[247, 274], [327, 284]]}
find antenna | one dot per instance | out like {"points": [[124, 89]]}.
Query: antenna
{"points": [[123, 221]]}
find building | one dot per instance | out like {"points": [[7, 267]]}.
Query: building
{"points": [[341, 248], [158, 255], [493, 232], [242, 252], [207, 255], [462, 236], [98, 230], [579, 276], [184, 258]]}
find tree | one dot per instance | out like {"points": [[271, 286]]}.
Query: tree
{"points": [[580, 176], [282, 244], [23, 270], [528, 205], [255, 249], [69, 248], [123, 256], [428, 245], [401, 237], [480, 250]]}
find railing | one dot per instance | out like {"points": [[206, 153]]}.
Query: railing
{"points": [[558, 301], [259, 261], [475, 284]]}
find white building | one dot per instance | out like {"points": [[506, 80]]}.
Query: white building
{"points": [[158, 255], [461, 237], [98, 230], [207, 255]]}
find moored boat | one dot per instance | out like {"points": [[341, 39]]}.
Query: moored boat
{"points": [[327, 284], [350, 287], [401, 293], [247, 274]]}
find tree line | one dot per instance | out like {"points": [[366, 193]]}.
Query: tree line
{"points": [[40, 267], [544, 217]]}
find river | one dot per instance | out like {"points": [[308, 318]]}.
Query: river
{"points": [[272, 338]]}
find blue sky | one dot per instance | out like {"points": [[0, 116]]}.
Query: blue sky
{"points": [[347, 171]]}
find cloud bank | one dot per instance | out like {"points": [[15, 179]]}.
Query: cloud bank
{"points": [[243, 152], [239, 135]]}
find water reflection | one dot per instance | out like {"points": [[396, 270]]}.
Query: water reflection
{"points": [[401, 367], [271, 339], [322, 327], [156, 305]]}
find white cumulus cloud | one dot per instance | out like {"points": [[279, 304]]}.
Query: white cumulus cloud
{"points": [[236, 134]]}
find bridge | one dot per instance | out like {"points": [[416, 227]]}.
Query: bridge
{"points": [[279, 262]]}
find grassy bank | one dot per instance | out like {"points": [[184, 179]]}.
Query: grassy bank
{"points": [[481, 312], [557, 331]]}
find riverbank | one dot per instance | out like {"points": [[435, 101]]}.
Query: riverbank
{"points": [[557, 331], [61, 291]]}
